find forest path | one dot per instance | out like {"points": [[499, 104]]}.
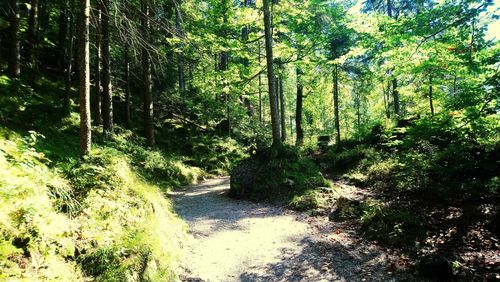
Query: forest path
{"points": [[235, 240]]}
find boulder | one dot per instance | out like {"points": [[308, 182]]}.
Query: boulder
{"points": [[435, 266]]}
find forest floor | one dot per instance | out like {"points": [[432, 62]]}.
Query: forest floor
{"points": [[234, 240]]}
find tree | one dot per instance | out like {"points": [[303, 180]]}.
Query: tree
{"points": [[146, 77], [32, 34], [107, 98], [84, 77], [14, 68], [270, 75]]}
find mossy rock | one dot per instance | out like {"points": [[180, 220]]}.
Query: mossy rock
{"points": [[275, 175], [345, 208]]}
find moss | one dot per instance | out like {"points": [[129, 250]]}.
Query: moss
{"points": [[276, 175], [390, 226], [120, 216]]}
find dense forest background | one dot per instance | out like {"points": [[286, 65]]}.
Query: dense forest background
{"points": [[397, 97]]}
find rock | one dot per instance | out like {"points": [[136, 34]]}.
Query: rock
{"points": [[435, 266], [345, 208]]}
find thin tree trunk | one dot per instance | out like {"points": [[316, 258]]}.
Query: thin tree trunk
{"points": [[180, 61], [386, 102], [430, 95], [32, 34], [147, 79], [96, 99], [395, 93], [395, 97], [62, 33], [14, 68], [69, 67], [336, 102], [127, 88], [84, 75], [282, 108], [298, 110], [260, 87], [107, 98], [358, 111]]}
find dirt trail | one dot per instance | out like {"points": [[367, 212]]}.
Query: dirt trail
{"points": [[242, 241]]}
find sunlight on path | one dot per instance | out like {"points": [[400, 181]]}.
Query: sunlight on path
{"points": [[242, 241]]}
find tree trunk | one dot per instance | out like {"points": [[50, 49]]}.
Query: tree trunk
{"points": [[69, 61], [107, 98], [430, 95], [395, 96], [147, 79], [180, 61], [336, 102], [96, 99], [298, 110], [128, 120], [14, 68], [62, 33], [386, 100], [389, 8], [32, 35], [282, 108], [84, 75], [260, 87], [270, 75]]}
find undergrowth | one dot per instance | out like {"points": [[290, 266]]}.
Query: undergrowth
{"points": [[104, 217]]}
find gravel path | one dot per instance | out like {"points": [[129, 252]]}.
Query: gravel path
{"points": [[242, 241]]}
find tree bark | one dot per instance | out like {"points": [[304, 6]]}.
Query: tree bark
{"points": [[180, 61], [260, 88], [13, 68], [84, 75], [395, 97], [430, 95], [97, 97], [270, 75], [147, 79], [69, 63], [336, 102], [298, 110], [107, 98], [282, 108], [32, 35], [62, 33], [128, 120]]}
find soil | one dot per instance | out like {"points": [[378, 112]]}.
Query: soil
{"points": [[232, 240]]}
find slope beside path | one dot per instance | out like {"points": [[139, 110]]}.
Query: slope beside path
{"points": [[235, 240]]}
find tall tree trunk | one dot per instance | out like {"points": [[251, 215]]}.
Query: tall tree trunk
{"points": [[430, 95], [62, 33], [107, 98], [358, 111], [127, 88], [336, 102], [84, 75], [298, 110], [147, 79], [32, 34], [395, 93], [386, 100], [14, 68], [270, 75], [180, 60], [260, 88], [395, 97], [69, 62], [282, 108], [97, 97]]}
